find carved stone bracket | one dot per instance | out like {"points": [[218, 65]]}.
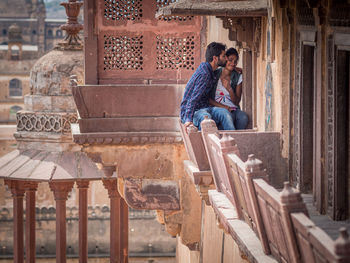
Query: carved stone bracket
{"points": [[203, 180], [172, 221], [61, 189], [152, 194], [245, 31]]}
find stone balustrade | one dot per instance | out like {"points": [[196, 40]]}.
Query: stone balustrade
{"points": [[247, 202]]}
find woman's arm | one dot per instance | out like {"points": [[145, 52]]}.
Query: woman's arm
{"points": [[218, 104], [237, 98]]}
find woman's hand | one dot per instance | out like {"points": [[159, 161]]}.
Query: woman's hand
{"points": [[239, 70]]}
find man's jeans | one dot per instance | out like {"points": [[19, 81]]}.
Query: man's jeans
{"points": [[240, 119], [222, 117]]}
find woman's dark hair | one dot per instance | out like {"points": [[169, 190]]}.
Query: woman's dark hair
{"points": [[214, 49], [232, 51]]}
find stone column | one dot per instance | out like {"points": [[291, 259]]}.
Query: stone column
{"points": [[17, 191], [124, 230], [30, 188], [60, 190], [83, 220], [119, 223], [112, 186]]}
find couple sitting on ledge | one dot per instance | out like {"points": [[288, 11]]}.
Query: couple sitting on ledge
{"points": [[215, 90]]}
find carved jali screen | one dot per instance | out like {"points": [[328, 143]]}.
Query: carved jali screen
{"points": [[135, 47]]}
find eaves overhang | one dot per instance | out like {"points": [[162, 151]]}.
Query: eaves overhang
{"points": [[251, 8]]}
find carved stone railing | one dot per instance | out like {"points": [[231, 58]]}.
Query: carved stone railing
{"points": [[243, 199], [314, 242]]}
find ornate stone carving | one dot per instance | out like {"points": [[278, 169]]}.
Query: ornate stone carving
{"points": [[257, 35], [72, 27], [296, 106], [45, 122], [339, 16], [330, 124], [126, 138], [305, 14]]}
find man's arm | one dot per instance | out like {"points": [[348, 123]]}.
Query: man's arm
{"points": [[199, 88]]}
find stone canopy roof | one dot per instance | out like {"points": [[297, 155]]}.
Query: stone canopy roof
{"points": [[36, 165]]}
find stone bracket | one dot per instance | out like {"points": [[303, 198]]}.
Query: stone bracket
{"points": [[152, 194]]}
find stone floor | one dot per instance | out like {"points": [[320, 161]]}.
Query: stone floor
{"points": [[324, 221]]}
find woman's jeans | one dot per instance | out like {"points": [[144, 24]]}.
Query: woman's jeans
{"points": [[225, 120]]}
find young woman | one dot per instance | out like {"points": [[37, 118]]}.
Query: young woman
{"points": [[227, 90]]}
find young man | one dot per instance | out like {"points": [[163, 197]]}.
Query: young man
{"points": [[195, 103]]}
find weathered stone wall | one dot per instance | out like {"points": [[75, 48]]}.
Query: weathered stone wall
{"points": [[163, 162], [217, 246]]}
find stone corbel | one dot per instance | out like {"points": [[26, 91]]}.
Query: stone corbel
{"points": [[257, 35], [172, 221], [203, 180], [152, 194]]}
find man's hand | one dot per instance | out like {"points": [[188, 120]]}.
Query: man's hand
{"points": [[187, 125]]}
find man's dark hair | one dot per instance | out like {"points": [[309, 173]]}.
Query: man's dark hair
{"points": [[232, 51], [214, 49]]}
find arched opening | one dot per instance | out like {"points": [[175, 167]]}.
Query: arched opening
{"points": [[4, 32], [49, 33], [58, 33], [15, 52], [15, 88], [34, 32], [13, 112]]}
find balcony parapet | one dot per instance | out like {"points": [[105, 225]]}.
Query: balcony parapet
{"points": [[245, 204]]}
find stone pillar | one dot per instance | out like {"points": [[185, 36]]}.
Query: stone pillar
{"points": [[60, 190], [292, 202], [83, 220], [124, 230], [17, 191], [119, 223], [30, 188]]}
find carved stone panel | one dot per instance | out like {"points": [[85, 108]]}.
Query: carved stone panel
{"points": [[330, 125], [133, 45]]}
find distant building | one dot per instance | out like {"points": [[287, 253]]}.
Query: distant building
{"points": [[25, 35]]}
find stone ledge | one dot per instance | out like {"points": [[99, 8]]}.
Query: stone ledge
{"points": [[121, 138], [231, 8], [240, 231]]}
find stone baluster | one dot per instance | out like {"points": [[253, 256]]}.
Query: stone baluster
{"points": [[208, 125], [83, 186], [17, 191], [291, 202], [254, 170], [30, 190], [60, 190], [342, 246]]}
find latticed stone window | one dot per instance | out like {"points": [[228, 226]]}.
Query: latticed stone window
{"points": [[162, 3], [175, 53], [15, 88], [123, 53], [123, 9]]}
